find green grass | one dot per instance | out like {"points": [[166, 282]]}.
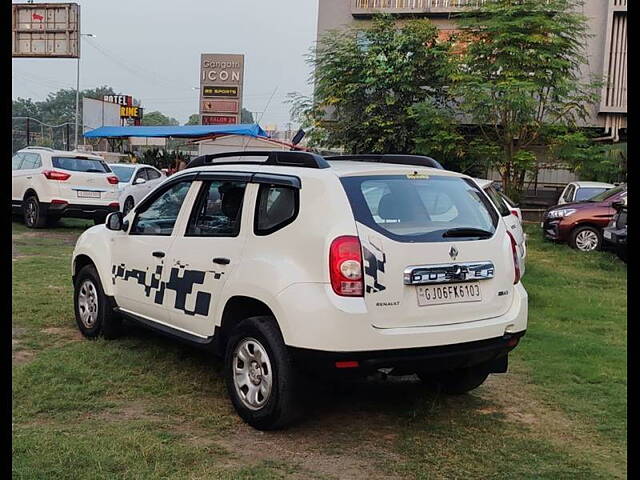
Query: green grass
{"points": [[147, 407]]}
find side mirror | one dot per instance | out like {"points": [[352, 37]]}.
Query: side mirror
{"points": [[139, 181], [115, 221], [618, 204]]}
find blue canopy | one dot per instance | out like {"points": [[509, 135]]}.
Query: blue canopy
{"points": [[178, 131]]}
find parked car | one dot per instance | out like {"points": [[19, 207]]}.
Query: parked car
{"points": [[49, 184], [582, 191], [510, 215], [580, 224], [135, 182], [615, 234], [302, 264]]}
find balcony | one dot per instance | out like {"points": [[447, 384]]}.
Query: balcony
{"points": [[366, 8]]}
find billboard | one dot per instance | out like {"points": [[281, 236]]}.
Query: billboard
{"points": [[49, 30], [96, 113], [221, 82]]}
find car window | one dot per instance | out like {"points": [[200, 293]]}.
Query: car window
{"points": [[608, 194], [152, 174], [498, 201], [568, 195], [277, 207], [418, 209], [218, 210], [159, 217], [141, 173], [80, 164], [16, 161], [123, 172], [587, 193], [31, 161]]}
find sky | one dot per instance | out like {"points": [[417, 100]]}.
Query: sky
{"points": [[150, 49]]}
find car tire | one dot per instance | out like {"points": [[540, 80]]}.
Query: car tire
{"points": [[32, 213], [586, 239], [128, 205], [93, 309], [456, 382], [262, 385]]}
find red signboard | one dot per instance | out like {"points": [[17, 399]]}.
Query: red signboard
{"points": [[219, 119], [220, 106]]}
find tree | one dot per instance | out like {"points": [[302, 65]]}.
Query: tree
{"points": [[519, 78], [158, 118], [194, 119], [369, 80]]}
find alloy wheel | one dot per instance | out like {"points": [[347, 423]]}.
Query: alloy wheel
{"points": [[587, 240], [252, 374], [88, 304]]}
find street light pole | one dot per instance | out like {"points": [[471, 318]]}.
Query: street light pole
{"points": [[78, 87]]}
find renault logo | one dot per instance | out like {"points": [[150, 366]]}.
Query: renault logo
{"points": [[453, 252]]}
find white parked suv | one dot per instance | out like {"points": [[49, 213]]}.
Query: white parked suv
{"points": [[289, 264], [582, 191], [48, 184], [135, 182]]}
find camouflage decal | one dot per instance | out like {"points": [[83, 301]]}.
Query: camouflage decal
{"points": [[374, 266]]}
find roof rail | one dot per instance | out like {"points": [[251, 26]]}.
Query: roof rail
{"points": [[417, 160], [35, 147], [274, 157]]}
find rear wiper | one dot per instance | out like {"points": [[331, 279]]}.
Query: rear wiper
{"points": [[467, 232]]}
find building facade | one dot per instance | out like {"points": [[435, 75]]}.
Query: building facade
{"points": [[606, 48]]}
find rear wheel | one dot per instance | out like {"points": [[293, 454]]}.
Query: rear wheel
{"points": [[456, 382], [128, 205], [259, 374], [32, 212], [586, 239]]}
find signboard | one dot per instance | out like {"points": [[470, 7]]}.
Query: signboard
{"points": [[221, 78], [220, 106], [96, 113], [45, 30], [127, 111], [119, 99], [219, 119]]}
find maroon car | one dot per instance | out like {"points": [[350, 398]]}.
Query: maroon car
{"points": [[580, 224]]}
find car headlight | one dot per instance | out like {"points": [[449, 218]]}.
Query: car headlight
{"points": [[561, 212]]}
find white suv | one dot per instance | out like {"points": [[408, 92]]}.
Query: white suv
{"points": [[48, 184], [308, 264]]}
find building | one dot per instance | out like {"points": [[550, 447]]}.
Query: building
{"points": [[606, 48]]}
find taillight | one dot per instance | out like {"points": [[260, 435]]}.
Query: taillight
{"points": [[516, 258], [345, 266], [515, 213], [55, 175], [112, 179]]}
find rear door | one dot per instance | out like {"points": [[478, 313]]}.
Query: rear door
{"points": [[89, 180], [17, 177], [422, 264]]}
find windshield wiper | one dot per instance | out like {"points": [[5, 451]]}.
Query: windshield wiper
{"points": [[467, 232]]}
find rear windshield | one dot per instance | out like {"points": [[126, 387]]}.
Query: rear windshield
{"points": [[123, 173], [80, 164], [585, 193], [419, 209]]}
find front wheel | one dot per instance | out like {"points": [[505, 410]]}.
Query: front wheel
{"points": [[586, 239], [94, 313], [259, 374], [128, 205]]}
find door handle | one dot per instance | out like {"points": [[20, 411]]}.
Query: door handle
{"points": [[158, 254], [221, 261], [29, 178]]}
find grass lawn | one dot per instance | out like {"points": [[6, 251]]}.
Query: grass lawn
{"points": [[146, 407]]}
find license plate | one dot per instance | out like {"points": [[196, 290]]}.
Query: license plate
{"points": [[448, 293], [88, 194], [607, 234]]}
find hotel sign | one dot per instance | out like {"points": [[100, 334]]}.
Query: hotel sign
{"points": [[221, 79]]}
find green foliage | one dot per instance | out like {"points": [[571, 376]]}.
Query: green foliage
{"points": [[158, 118], [520, 74], [370, 79], [591, 161], [194, 119]]}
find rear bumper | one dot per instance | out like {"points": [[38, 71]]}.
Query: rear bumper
{"points": [[326, 322], [427, 359], [77, 210]]}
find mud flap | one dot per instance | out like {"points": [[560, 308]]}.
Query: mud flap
{"points": [[498, 365]]}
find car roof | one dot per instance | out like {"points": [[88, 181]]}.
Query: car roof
{"points": [[582, 184], [126, 165], [61, 153]]}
